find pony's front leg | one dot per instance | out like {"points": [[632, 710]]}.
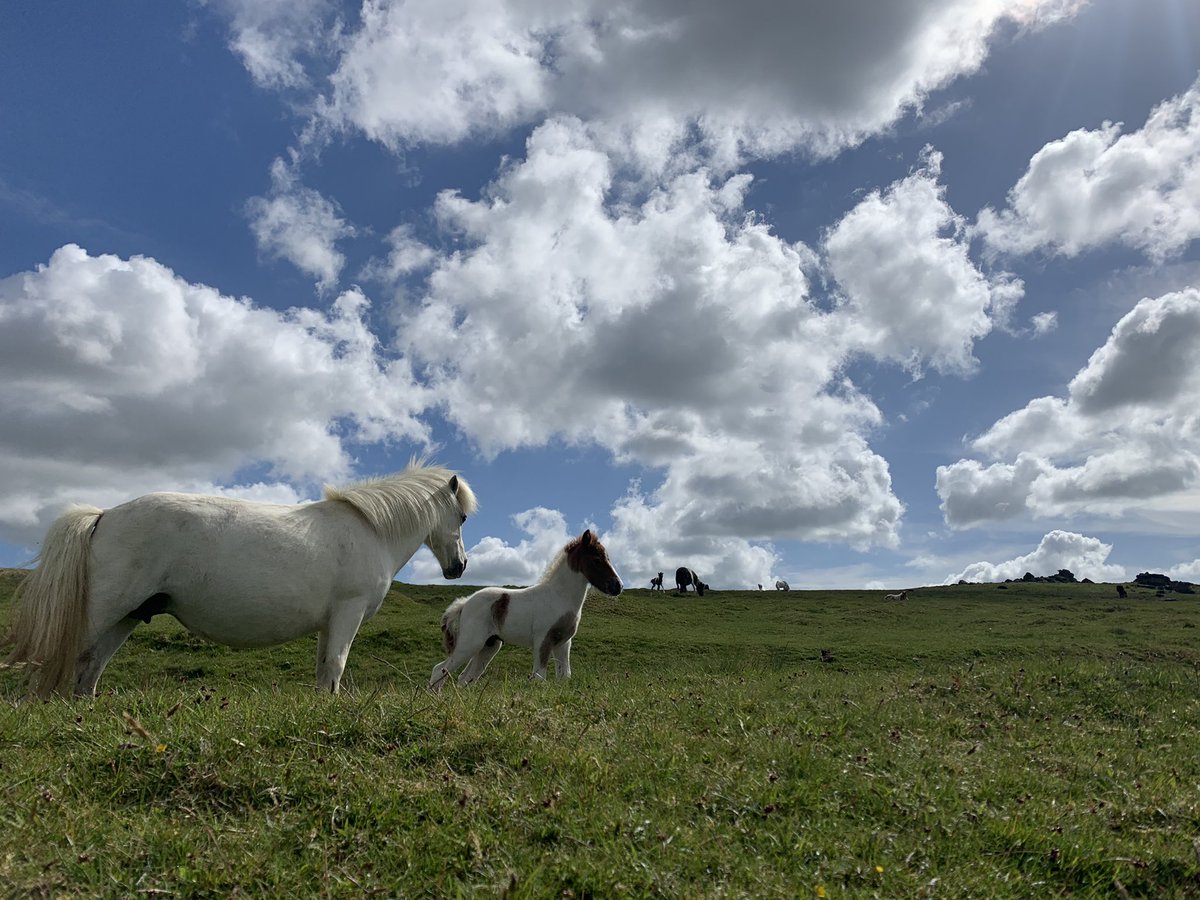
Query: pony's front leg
{"points": [[442, 671], [439, 675], [562, 659], [333, 648], [541, 659]]}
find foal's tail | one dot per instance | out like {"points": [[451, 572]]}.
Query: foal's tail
{"points": [[53, 603], [450, 620]]}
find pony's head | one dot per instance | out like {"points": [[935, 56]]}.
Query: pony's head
{"points": [[587, 555], [445, 537]]}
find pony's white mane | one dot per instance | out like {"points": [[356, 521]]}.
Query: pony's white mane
{"points": [[411, 500]]}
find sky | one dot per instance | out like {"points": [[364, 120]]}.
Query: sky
{"points": [[854, 295]]}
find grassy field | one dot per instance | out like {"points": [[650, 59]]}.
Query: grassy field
{"points": [[972, 742]]}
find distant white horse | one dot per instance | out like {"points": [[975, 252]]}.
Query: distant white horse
{"points": [[543, 617], [782, 585], [903, 595], [236, 572]]}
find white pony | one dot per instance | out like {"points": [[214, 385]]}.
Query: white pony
{"points": [[903, 595], [782, 585], [543, 617], [235, 572]]}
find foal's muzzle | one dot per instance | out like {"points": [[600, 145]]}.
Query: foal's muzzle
{"points": [[455, 570], [613, 588]]}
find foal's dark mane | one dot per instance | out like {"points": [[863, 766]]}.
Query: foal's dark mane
{"points": [[577, 555]]}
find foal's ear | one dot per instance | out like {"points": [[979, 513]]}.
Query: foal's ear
{"points": [[586, 537], [454, 484]]}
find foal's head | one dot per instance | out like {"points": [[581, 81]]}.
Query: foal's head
{"points": [[587, 555]]}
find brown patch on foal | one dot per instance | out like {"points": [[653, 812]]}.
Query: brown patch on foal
{"points": [[562, 630], [500, 610]]}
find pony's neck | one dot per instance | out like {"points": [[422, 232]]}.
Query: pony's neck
{"points": [[402, 550], [565, 582]]}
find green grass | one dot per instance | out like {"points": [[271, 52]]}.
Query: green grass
{"points": [[972, 742]]}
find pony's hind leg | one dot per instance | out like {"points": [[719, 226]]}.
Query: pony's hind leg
{"points": [[479, 662], [92, 661], [103, 640]]}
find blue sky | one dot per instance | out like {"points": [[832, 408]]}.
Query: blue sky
{"points": [[844, 294]]}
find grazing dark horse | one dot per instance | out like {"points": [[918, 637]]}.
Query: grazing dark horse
{"points": [[685, 577], [656, 583], [1121, 591]]}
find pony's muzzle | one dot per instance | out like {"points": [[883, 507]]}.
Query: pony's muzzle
{"points": [[455, 570], [613, 588]]}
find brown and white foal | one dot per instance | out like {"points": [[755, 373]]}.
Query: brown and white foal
{"points": [[543, 617]]}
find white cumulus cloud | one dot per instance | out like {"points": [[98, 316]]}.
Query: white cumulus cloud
{"points": [[494, 561], [297, 223], [679, 334], [753, 78], [1094, 187], [275, 39], [118, 377], [1085, 557], [1126, 433], [912, 293]]}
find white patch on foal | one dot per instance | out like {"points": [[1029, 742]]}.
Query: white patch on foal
{"points": [[543, 617]]}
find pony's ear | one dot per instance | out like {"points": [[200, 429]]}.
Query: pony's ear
{"points": [[454, 484], [586, 537]]}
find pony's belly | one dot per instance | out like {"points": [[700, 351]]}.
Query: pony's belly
{"points": [[246, 626]]}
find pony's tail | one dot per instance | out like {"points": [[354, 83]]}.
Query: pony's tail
{"points": [[450, 622], [53, 603]]}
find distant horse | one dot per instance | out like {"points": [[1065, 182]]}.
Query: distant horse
{"points": [[685, 578], [782, 585], [903, 595], [236, 572], [656, 583], [543, 617], [1121, 591]]}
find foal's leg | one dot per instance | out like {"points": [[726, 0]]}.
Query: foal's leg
{"points": [[463, 650], [479, 662], [541, 657], [441, 672], [562, 659], [96, 654]]}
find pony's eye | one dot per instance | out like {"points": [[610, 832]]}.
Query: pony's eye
{"points": [[462, 521]]}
